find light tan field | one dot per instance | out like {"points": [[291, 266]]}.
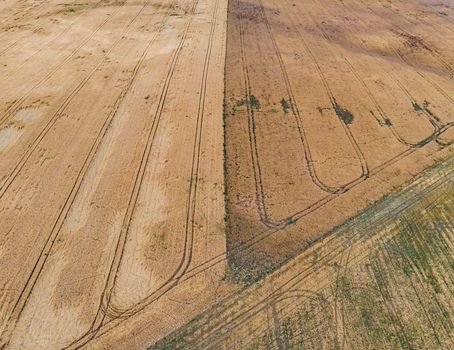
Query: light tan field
{"points": [[164, 161], [111, 180]]}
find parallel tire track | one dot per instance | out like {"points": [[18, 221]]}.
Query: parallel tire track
{"points": [[294, 107], [438, 126], [334, 103], [43, 47], [383, 117], [107, 313], [14, 107], [220, 328], [44, 254], [368, 222], [433, 53], [9, 179], [435, 136]]}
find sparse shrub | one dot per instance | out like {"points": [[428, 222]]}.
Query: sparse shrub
{"points": [[416, 107], [344, 114], [285, 105], [254, 102], [290, 221], [432, 280], [239, 103]]}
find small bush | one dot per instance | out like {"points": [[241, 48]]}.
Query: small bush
{"points": [[416, 107], [285, 105], [343, 113], [254, 102]]}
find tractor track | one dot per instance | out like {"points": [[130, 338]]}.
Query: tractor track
{"points": [[383, 117], [108, 315], [366, 223], [294, 107], [9, 179], [333, 193], [44, 254], [437, 125], [400, 31], [15, 106], [43, 47]]}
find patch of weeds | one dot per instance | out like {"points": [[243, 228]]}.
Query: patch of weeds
{"points": [[417, 250], [287, 332], [254, 102], [432, 280], [237, 104], [285, 105], [177, 340], [407, 269], [417, 107], [388, 122], [221, 227], [248, 275], [321, 109], [273, 110], [241, 275], [74, 7], [367, 305], [162, 238], [344, 114], [425, 105], [417, 256], [290, 221]]}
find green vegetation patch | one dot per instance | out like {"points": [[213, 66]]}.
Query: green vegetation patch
{"points": [[285, 105], [254, 102], [342, 113]]}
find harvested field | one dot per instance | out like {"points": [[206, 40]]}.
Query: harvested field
{"points": [[158, 158], [329, 106], [111, 183]]}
